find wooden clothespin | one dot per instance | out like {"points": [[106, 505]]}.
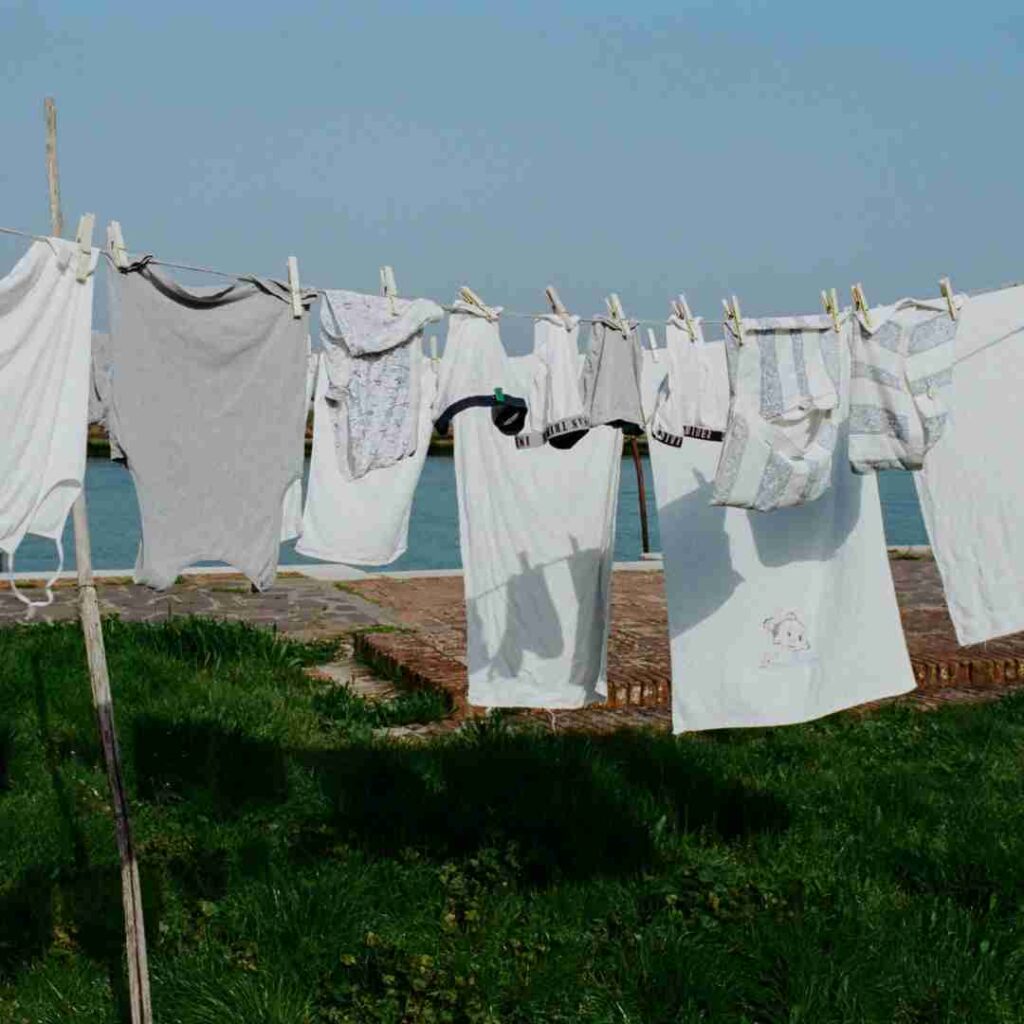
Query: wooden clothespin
{"points": [[557, 306], [946, 287], [830, 301], [733, 315], [616, 312], [388, 287], [293, 285], [468, 295], [116, 246], [682, 310], [652, 340], [860, 303], [83, 239]]}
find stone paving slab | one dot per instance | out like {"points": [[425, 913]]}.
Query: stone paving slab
{"points": [[301, 607]]}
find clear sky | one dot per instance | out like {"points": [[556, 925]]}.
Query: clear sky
{"points": [[766, 149]]}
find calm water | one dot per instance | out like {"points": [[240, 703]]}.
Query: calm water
{"points": [[434, 532]]}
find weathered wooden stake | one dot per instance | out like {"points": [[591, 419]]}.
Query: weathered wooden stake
{"points": [[99, 679], [641, 488]]}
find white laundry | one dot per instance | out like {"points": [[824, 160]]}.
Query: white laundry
{"points": [[900, 383], [555, 401], [691, 408], [779, 618], [45, 342], [536, 531], [971, 488], [474, 372], [291, 507], [368, 343], [611, 376], [783, 413], [364, 521]]}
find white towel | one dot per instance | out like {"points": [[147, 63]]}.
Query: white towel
{"points": [[783, 413], [536, 531], [901, 384], [778, 618]]}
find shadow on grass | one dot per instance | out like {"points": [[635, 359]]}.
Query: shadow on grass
{"points": [[189, 760], [573, 808]]}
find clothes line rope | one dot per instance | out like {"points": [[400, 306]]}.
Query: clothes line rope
{"points": [[450, 309]]}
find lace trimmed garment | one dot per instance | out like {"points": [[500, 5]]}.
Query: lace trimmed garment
{"points": [[372, 390]]}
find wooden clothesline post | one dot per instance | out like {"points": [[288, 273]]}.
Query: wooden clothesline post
{"points": [[99, 679]]}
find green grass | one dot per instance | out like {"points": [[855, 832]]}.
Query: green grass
{"points": [[298, 871]]}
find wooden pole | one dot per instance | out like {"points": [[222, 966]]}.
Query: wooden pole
{"points": [[641, 486], [99, 679]]}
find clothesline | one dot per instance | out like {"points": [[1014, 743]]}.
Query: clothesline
{"points": [[451, 309]]}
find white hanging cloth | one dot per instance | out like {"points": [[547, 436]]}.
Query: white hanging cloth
{"points": [[773, 618], [971, 487], [364, 521], [45, 345], [536, 531]]}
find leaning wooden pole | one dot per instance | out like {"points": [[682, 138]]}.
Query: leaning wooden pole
{"points": [[641, 490], [99, 679]]}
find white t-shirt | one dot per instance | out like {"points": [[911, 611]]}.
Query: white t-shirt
{"points": [[774, 617], [971, 487], [45, 354], [536, 531], [363, 521]]}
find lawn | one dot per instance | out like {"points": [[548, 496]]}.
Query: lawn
{"points": [[297, 869]]}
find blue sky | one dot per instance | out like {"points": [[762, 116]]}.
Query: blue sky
{"points": [[766, 149]]}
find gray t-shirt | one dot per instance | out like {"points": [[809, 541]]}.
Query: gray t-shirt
{"points": [[611, 378], [208, 404]]}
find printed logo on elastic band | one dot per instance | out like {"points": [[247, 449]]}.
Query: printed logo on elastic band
{"points": [[697, 433]]}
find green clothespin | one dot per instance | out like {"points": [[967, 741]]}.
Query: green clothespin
{"points": [[499, 395]]}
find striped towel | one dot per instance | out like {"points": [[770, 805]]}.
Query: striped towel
{"points": [[901, 384], [783, 414]]}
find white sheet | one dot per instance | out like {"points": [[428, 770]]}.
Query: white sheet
{"points": [[971, 488], [774, 617], [536, 530]]}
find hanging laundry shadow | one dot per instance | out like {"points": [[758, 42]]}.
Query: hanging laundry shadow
{"points": [[815, 531], [591, 580], [531, 622], [707, 580]]}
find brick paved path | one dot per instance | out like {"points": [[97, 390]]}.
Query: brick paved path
{"points": [[429, 648]]}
